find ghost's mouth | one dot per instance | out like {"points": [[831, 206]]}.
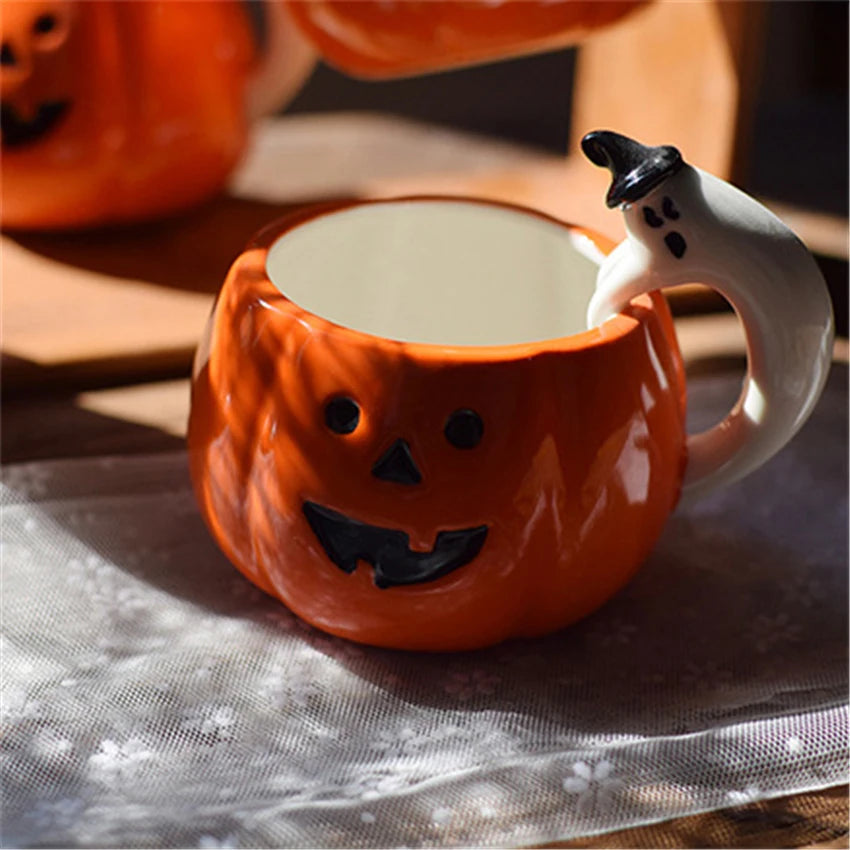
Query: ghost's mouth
{"points": [[347, 541], [16, 131]]}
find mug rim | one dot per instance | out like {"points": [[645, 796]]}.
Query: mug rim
{"points": [[253, 262]]}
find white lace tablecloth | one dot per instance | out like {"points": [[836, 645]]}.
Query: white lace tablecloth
{"points": [[153, 698]]}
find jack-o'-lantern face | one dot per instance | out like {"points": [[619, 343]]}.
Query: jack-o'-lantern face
{"points": [[347, 541], [37, 57], [401, 429], [391, 474], [118, 110]]}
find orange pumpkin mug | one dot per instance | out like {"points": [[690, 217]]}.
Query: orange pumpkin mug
{"points": [[437, 423]]}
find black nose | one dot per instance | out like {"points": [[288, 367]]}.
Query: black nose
{"points": [[397, 464], [7, 55]]}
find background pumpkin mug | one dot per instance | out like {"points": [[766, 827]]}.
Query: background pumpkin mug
{"points": [[403, 427], [385, 38], [116, 111]]}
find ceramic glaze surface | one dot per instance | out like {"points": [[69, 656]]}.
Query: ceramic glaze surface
{"points": [[425, 496], [116, 111], [385, 38]]}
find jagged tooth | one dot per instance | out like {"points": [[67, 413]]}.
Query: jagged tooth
{"points": [[348, 565]]}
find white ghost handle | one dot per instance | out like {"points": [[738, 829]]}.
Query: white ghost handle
{"points": [[692, 227]]}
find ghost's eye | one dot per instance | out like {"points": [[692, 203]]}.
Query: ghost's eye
{"points": [[464, 429], [651, 217], [342, 415], [669, 209]]}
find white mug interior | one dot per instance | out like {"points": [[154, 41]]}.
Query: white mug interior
{"points": [[443, 272]]}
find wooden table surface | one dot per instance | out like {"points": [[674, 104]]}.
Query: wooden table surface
{"points": [[99, 330]]}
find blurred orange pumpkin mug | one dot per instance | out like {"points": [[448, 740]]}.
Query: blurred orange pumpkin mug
{"points": [[119, 111], [436, 423], [394, 38]]}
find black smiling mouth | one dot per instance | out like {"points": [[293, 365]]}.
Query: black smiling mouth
{"points": [[17, 132], [347, 541]]}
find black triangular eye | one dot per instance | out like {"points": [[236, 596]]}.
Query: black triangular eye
{"points": [[464, 429], [342, 414]]}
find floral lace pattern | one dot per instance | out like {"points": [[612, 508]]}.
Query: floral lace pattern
{"points": [[152, 697]]}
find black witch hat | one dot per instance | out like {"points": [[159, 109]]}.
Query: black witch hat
{"points": [[635, 168]]}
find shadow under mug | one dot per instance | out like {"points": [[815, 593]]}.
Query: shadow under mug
{"points": [[402, 428]]}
